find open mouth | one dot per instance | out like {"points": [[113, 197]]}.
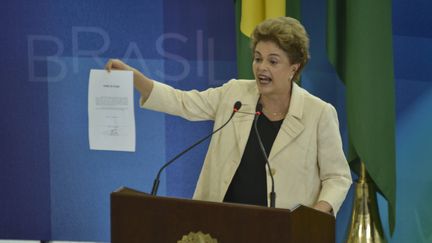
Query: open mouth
{"points": [[264, 79]]}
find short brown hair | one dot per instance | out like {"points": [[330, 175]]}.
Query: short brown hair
{"points": [[289, 34]]}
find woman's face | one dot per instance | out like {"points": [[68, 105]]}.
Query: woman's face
{"points": [[272, 69]]}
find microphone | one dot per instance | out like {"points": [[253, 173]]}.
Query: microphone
{"points": [[156, 181], [258, 112]]}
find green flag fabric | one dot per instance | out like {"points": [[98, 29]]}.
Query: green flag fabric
{"points": [[359, 45], [249, 13]]}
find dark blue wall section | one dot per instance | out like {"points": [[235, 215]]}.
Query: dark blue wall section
{"points": [[24, 156], [412, 44], [52, 186]]}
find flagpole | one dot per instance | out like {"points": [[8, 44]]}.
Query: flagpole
{"points": [[366, 224]]}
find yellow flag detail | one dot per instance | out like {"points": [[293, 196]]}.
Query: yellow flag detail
{"points": [[254, 12]]}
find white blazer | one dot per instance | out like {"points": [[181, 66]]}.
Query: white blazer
{"points": [[307, 160]]}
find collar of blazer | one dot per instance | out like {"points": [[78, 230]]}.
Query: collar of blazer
{"points": [[296, 104], [291, 127]]}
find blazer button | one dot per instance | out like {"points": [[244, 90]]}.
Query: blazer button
{"points": [[273, 171]]}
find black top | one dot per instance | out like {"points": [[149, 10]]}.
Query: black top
{"points": [[249, 185]]}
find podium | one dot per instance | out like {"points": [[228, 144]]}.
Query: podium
{"points": [[138, 217]]}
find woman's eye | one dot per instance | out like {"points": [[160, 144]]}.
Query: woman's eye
{"points": [[273, 62], [257, 59]]}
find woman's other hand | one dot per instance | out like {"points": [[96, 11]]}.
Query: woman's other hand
{"points": [[324, 206]]}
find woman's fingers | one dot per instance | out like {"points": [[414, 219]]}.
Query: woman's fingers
{"points": [[114, 64], [108, 65]]}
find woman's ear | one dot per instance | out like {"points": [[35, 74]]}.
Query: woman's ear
{"points": [[295, 67]]}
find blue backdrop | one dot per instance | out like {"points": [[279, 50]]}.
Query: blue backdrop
{"points": [[53, 187]]}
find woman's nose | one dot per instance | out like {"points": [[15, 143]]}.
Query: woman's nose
{"points": [[260, 65]]}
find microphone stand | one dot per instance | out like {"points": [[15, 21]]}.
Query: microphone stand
{"points": [[156, 182], [272, 193]]}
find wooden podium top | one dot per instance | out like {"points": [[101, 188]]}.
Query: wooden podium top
{"points": [[137, 217]]}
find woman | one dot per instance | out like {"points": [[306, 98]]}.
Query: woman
{"points": [[299, 131]]}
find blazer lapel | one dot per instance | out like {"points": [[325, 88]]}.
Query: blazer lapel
{"points": [[292, 125], [290, 129], [244, 118]]}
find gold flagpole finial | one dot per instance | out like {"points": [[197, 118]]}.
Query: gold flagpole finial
{"points": [[366, 224]]}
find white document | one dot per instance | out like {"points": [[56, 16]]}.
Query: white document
{"points": [[111, 110]]}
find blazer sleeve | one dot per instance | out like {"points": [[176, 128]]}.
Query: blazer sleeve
{"points": [[192, 105], [335, 173]]}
